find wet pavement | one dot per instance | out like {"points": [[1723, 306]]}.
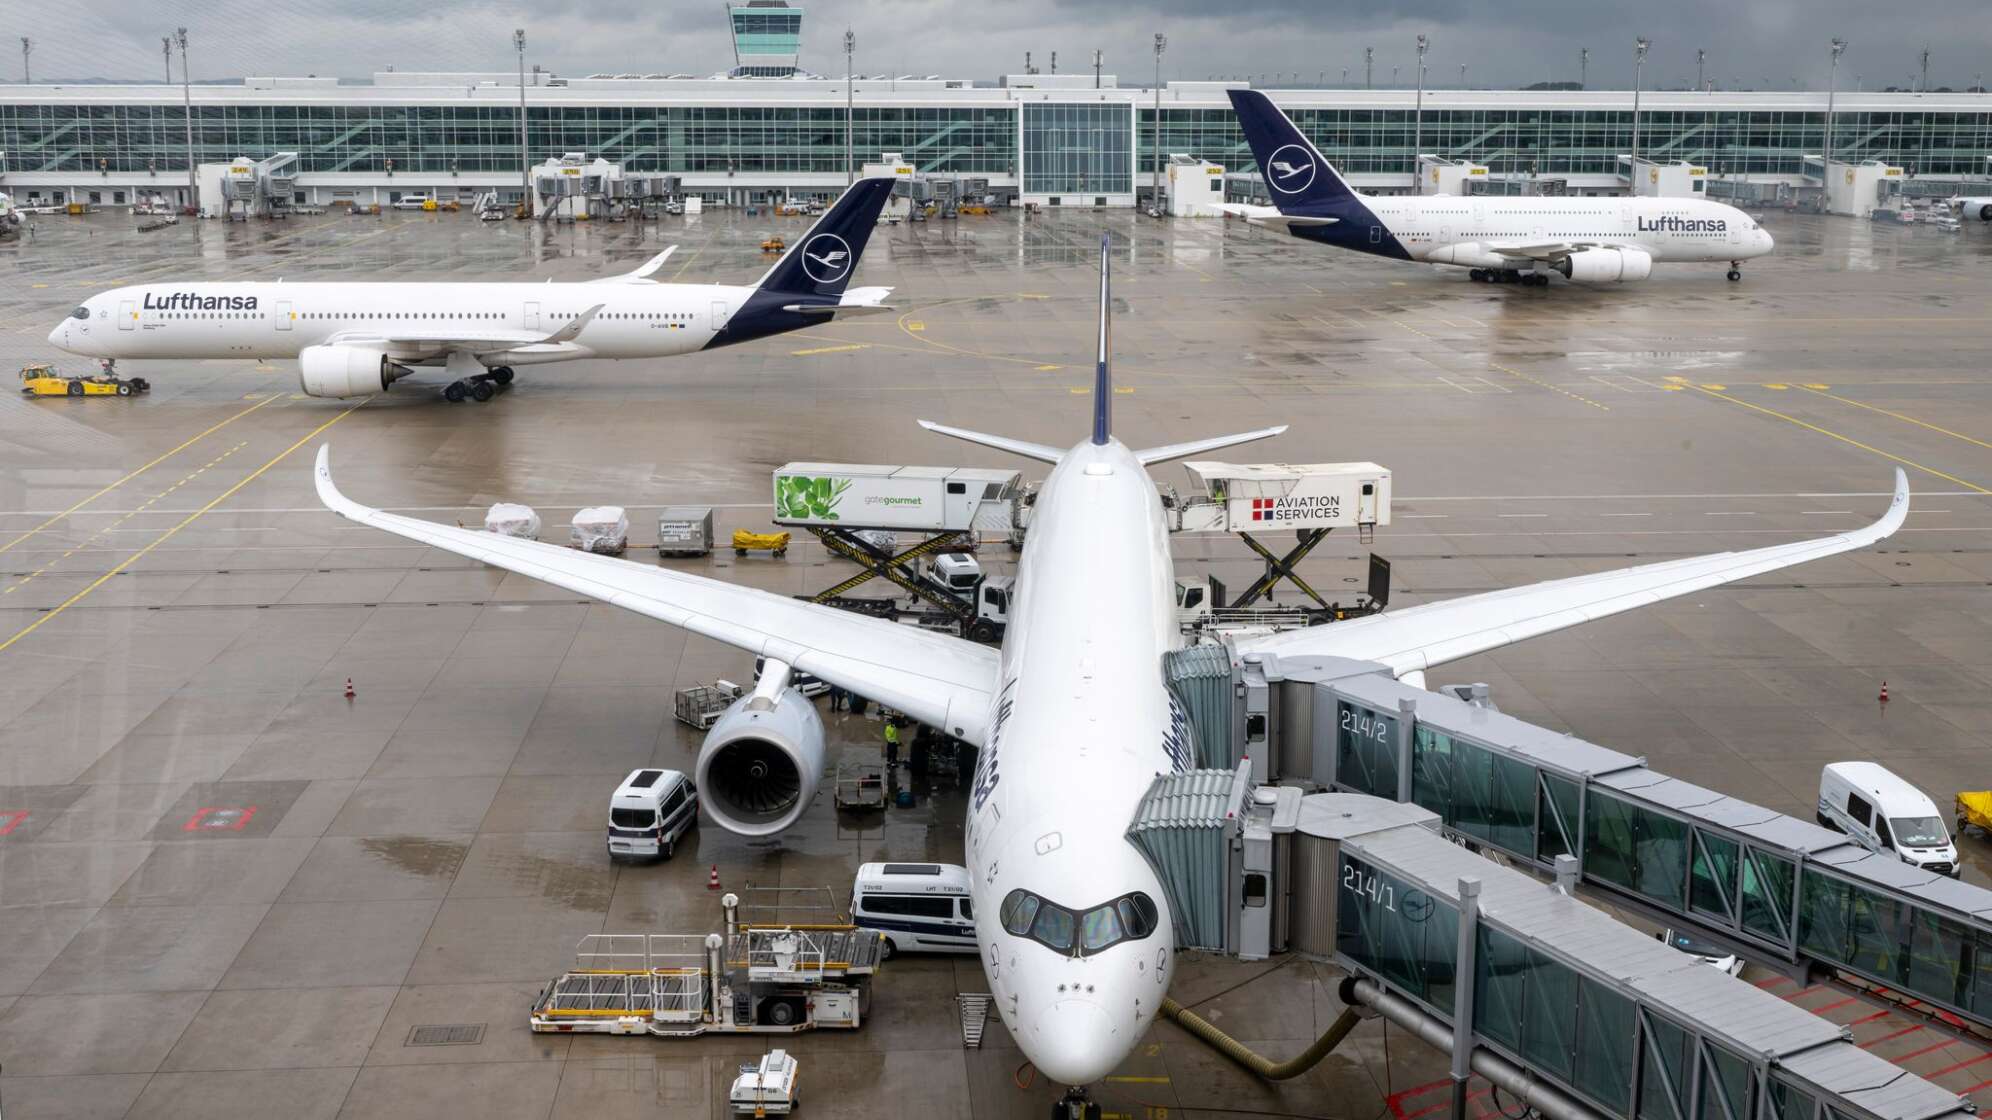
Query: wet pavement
{"points": [[227, 890]]}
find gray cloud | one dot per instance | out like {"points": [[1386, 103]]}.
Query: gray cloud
{"points": [[1760, 43]]}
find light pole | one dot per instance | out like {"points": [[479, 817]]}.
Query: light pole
{"points": [[1161, 44], [1701, 56], [1462, 75], [1832, 87], [1583, 66], [1418, 120], [525, 153], [27, 78], [1345, 77], [850, 46], [1096, 69], [187, 104], [1639, 46], [166, 47], [1369, 59], [1925, 87]]}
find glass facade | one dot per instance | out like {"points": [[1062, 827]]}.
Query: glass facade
{"points": [[1082, 150], [1560, 1022], [1397, 931], [1571, 141], [1366, 751]]}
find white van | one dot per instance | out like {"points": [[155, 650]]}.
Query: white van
{"points": [[649, 812], [1883, 813], [919, 907]]}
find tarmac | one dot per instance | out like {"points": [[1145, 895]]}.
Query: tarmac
{"points": [[227, 890]]}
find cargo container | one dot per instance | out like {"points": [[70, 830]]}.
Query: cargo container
{"points": [[684, 531], [931, 499]]}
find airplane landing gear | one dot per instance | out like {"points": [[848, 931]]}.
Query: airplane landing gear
{"points": [[480, 388], [1074, 1106], [1478, 274], [1735, 271]]}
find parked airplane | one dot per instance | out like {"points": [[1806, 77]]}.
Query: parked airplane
{"points": [[356, 338], [1968, 207], [1071, 715], [1499, 238]]}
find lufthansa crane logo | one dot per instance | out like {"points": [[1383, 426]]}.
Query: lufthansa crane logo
{"points": [[826, 258], [1291, 170]]}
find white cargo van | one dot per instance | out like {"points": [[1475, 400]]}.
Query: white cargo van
{"points": [[918, 907], [649, 812], [1883, 813]]}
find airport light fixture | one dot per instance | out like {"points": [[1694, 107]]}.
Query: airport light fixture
{"points": [[187, 104], [27, 77], [1096, 69], [1161, 44], [1583, 66], [1701, 57], [1369, 60], [1832, 87], [850, 47], [525, 156], [1639, 46], [166, 47], [1418, 119]]}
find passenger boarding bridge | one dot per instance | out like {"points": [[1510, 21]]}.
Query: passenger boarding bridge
{"points": [[1782, 891]]}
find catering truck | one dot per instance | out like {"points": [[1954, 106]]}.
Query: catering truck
{"points": [[922, 499]]}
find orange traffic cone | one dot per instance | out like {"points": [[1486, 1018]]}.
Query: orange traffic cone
{"points": [[1884, 692], [349, 688], [712, 880]]}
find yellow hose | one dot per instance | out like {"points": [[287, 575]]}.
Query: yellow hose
{"points": [[1259, 1064]]}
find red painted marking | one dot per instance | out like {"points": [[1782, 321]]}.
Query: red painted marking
{"points": [[1900, 1058], [1911, 1029], [1974, 1088], [1774, 981], [1803, 992], [9, 821], [1431, 1108], [1831, 1006], [1985, 1057], [1882, 1014], [219, 818]]}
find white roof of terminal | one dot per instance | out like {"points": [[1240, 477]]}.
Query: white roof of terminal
{"points": [[500, 88]]}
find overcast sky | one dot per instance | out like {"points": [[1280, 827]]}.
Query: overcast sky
{"points": [[1754, 43]]}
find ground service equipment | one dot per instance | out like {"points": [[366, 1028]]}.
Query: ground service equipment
{"points": [[1311, 499], [684, 531], [40, 379]]}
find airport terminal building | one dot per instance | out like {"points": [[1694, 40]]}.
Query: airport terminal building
{"points": [[1051, 139]]}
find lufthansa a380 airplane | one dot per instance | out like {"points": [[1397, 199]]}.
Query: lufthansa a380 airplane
{"points": [[1595, 240], [356, 338], [1071, 715]]}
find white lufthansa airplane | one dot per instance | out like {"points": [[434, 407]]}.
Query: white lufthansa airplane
{"points": [[1969, 207], [1071, 715], [1594, 240], [352, 339]]}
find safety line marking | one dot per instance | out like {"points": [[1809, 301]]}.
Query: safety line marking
{"points": [[1871, 449], [1897, 415]]}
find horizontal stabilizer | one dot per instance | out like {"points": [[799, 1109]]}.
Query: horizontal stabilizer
{"points": [[1028, 450], [1271, 218], [1163, 454], [855, 301]]}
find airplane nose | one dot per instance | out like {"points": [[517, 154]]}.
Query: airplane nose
{"points": [[1073, 1043], [1764, 241], [59, 337]]}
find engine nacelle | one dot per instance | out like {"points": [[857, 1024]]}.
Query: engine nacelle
{"points": [[760, 763], [1606, 266], [346, 371]]}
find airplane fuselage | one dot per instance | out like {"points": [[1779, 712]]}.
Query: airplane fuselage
{"points": [[1082, 724], [278, 320], [1447, 229]]}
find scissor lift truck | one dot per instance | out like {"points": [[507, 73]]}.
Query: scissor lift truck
{"points": [[759, 980], [1312, 499]]}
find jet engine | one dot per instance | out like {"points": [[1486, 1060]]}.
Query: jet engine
{"points": [[760, 763], [346, 371], [1606, 266]]}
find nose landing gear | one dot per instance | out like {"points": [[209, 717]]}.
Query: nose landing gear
{"points": [[482, 387], [1075, 1106], [1735, 271]]}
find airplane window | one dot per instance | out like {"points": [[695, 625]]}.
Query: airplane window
{"points": [[1019, 910], [1137, 913], [1053, 927], [1099, 929]]}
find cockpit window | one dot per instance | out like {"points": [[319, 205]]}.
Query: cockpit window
{"points": [[80, 313], [1128, 918]]}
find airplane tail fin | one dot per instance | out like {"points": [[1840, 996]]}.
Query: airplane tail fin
{"points": [[821, 262], [1103, 378], [1296, 175]]}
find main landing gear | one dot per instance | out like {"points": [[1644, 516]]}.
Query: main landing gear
{"points": [[1074, 1106], [1510, 276], [1735, 271], [481, 388]]}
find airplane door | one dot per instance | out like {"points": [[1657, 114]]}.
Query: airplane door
{"points": [[128, 315], [532, 322], [1479, 211], [284, 316], [719, 314], [1366, 504]]}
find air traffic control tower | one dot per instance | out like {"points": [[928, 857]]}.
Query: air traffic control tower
{"points": [[767, 37]]}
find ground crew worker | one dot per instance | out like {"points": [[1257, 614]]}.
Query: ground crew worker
{"points": [[891, 742]]}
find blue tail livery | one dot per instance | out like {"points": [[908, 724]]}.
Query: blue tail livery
{"points": [[1314, 201], [810, 278]]}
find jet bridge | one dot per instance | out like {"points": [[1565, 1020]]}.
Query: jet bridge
{"points": [[246, 188], [1781, 891]]}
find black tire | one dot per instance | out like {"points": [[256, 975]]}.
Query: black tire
{"points": [[739, 552], [1985, 212], [886, 949], [75, 388], [982, 630], [483, 390], [782, 1013], [454, 392], [667, 849], [502, 375], [124, 389], [140, 385], [1735, 274]]}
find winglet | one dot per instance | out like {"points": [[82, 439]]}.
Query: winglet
{"points": [[572, 331], [329, 494], [1898, 509], [1103, 379]]}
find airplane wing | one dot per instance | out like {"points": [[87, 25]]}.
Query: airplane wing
{"points": [[1553, 251], [942, 681], [856, 301], [1421, 637], [408, 343]]}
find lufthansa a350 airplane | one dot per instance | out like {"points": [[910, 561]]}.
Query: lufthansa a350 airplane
{"points": [[1072, 715], [1595, 240], [356, 338]]}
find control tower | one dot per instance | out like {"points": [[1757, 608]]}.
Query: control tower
{"points": [[767, 37]]}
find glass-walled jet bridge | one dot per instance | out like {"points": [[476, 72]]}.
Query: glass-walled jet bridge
{"points": [[1567, 1010], [1780, 890]]}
